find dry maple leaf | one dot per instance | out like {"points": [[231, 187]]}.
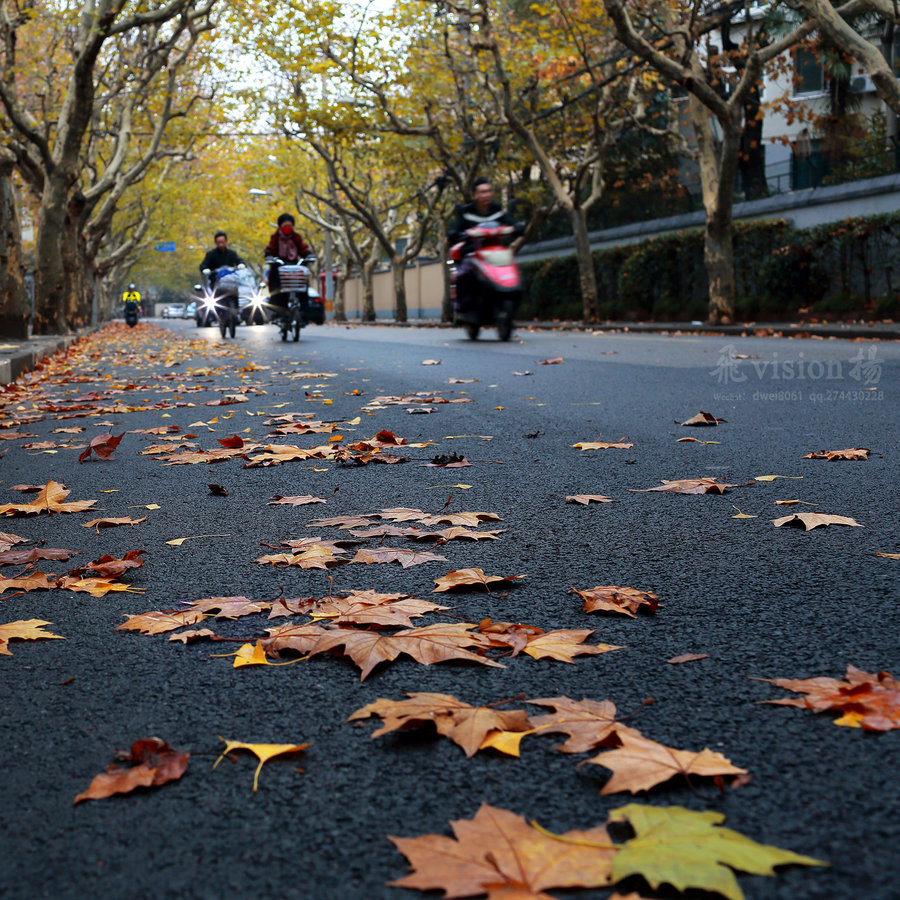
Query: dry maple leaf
{"points": [[809, 520], [426, 645], [160, 622], [687, 657], [610, 598], [406, 558], [228, 607], [235, 442], [315, 557], [456, 533], [564, 644], [498, 853], [50, 499], [23, 557], [10, 540], [588, 498], [299, 638], [103, 445], [295, 501], [468, 578], [96, 587], [464, 724], [703, 418], [34, 581], [193, 634], [112, 523], [866, 700], [685, 849], [109, 567], [25, 630], [385, 610], [692, 486], [589, 723], [853, 453], [155, 763], [640, 763], [602, 445]]}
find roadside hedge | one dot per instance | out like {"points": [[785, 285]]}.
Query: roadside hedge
{"points": [[849, 268]]}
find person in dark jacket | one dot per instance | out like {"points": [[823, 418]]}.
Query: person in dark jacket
{"points": [[481, 211], [220, 255], [287, 245]]}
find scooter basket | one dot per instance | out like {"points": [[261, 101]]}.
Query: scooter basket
{"points": [[294, 278]]}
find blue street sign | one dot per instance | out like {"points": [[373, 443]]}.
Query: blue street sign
{"points": [[166, 247]]}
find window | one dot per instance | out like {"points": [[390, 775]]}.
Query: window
{"points": [[809, 75]]}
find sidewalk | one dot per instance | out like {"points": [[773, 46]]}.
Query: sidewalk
{"points": [[17, 357]]}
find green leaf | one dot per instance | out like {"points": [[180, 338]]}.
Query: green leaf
{"points": [[685, 849]]}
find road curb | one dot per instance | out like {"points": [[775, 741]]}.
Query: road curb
{"points": [[17, 359]]}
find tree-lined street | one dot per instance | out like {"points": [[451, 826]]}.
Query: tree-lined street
{"points": [[753, 600]]}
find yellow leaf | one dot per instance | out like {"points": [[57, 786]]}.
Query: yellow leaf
{"points": [[499, 407], [792, 502], [212, 421], [742, 515], [166, 416], [228, 415], [253, 655], [263, 752], [335, 438], [113, 491], [141, 505], [505, 741], [888, 555], [355, 421], [773, 477], [177, 542]]}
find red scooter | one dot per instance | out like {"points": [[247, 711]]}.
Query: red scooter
{"points": [[486, 280]]}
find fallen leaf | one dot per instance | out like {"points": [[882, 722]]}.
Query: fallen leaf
{"points": [[551, 362], [626, 600], [217, 490], [228, 607], [194, 634], [406, 558], [773, 477], [852, 453], [464, 724], [51, 498], [23, 557], [431, 362], [523, 373], [10, 540], [234, 442], [34, 581], [810, 520], [588, 498], [498, 853], [25, 630], [742, 515], [263, 752], [463, 578], [112, 523], [887, 555], [603, 445], [703, 418], [677, 846], [177, 542], [564, 644], [687, 657], [640, 764], [108, 566], [426, 645], [160, 622], [690, 440], [103, 445], [691, 486], [589, 723], [155, 763], [866, 700]]}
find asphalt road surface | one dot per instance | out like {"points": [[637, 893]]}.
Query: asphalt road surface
{"points": [[760, 601]]}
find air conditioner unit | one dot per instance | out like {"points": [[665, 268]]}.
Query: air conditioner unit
{"points": [[862, 84]]}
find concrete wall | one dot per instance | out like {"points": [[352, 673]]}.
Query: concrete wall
{"points": [[424, 292]]}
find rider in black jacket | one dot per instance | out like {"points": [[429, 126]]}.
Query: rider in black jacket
{"points": [[219, 256], [481, 211]]}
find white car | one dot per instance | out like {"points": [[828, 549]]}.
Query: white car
{"points": [[173, 311]]}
